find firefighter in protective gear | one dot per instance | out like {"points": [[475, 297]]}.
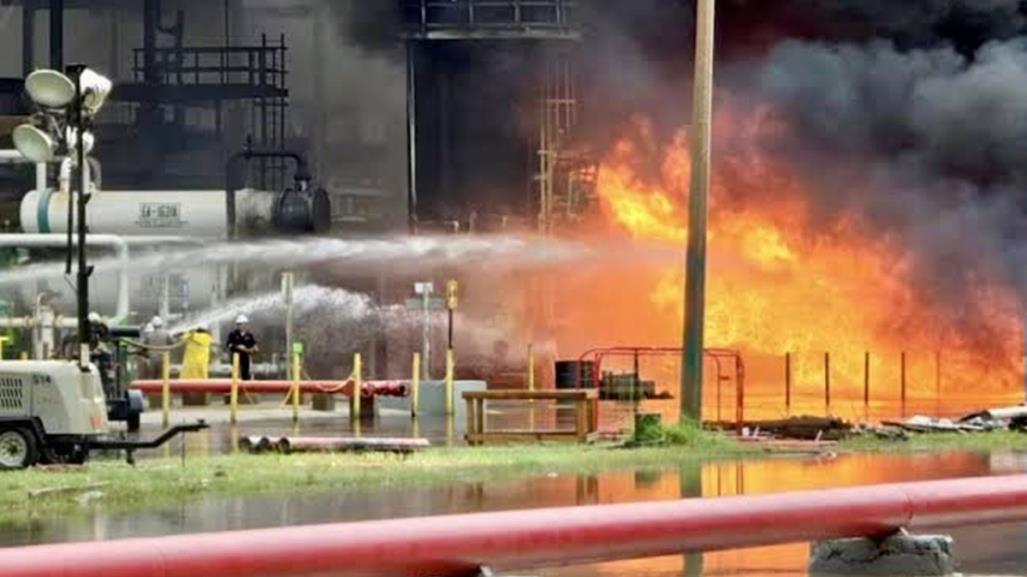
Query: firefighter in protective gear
{"points": [[196, 358], [242, 342]]}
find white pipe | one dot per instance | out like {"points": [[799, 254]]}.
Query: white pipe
{"points": [[12, 156], [95, 174], [40, 176], [64, 176], [60, 240]]}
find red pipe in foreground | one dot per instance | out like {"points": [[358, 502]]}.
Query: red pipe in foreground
{"points": [[454, 545], [224, 386]]}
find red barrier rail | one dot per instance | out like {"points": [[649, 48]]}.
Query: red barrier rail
{"points": [[454, 545], [224, 386]]}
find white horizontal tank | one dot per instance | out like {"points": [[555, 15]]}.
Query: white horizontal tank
{"points": [[191, 213]]}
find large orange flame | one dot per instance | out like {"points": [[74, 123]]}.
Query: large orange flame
{"points": [[783, 280]]}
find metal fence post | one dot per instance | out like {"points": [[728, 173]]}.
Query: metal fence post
{"points": [[233, 396], [295, 387], [358, 388], [165, 391], [788, 383], [449, 382], [415, 386], [827, 383], [903, 384]]}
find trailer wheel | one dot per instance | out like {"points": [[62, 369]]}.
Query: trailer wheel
{"points": [[17, 449]]}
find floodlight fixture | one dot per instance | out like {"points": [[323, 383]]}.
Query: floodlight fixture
{"points": [[50, 88], [95, 88], [34, 144], [71, 138]]}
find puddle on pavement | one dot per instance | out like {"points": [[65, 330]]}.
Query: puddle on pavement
{"points": [[993, 550]]}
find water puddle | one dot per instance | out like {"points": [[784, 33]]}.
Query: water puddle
{"points": [[994, 549]]}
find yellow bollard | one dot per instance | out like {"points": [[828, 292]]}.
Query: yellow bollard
{"points": [[2, 341], [295, 387], [415, 386], [24, 355], [449, 382], [531, 367], [233, 397], [358, 388], [165, 389]]}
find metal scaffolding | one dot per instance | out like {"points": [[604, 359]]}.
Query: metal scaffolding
{"points": [[182, 77], [490, 19], [558, 114]]}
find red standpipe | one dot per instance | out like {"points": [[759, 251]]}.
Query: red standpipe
{"points": [[454, 545], [224, 386]]}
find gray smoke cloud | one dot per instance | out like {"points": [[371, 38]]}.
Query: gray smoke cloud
{"points": [[932, 111], [928, 144]]}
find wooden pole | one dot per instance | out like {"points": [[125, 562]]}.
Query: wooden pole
{"points": [[695, 278]]}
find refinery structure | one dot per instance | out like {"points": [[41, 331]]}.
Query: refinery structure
{"points": [[615, 287], [493, 144]]}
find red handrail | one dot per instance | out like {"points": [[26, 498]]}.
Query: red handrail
{"points": [[454, 545]]}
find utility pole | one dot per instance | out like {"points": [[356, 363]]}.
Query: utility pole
{"points": [[695, 271], [84, 271]]}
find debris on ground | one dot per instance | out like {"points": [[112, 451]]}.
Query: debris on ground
{"points": [[1012, 418], [65, 490], [998, 419], [924, 424], [262, 444], [805, 427]]}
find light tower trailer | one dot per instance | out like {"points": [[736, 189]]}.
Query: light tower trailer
{"points": [[54, 412]]}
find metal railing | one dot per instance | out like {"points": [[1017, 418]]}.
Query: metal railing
{"points": [[425, 16]]}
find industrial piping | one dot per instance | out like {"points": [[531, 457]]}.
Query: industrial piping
{"points": [[59, 240], [457, 545], [224, 386]]}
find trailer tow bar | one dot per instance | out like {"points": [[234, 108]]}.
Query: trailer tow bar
{"points": [[130, 447]]}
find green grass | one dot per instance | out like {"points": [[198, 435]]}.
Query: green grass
{"points": [[653, 433], [938, 442], [157, 481]]}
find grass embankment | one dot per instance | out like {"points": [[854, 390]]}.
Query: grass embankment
{"points": [[117, 486], [937, 442]]}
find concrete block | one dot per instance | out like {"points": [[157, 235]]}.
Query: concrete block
{"points": [[433, 399], [195, 400], [900, 555], [323, 402]]}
